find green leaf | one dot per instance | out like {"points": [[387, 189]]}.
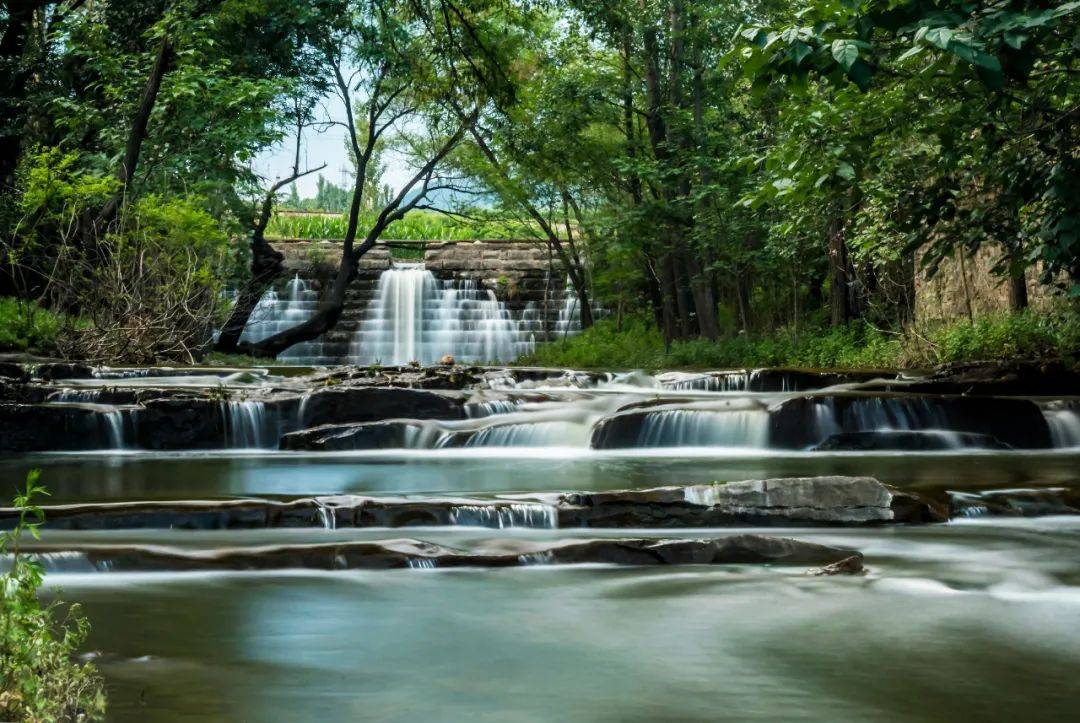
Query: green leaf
{"points": [[846, 52], [939, 37], [845, 170], [910, 53], [798, 53]]}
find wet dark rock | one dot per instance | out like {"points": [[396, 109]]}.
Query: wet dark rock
{"points": [[38, 428], [13, 371], [785, 501], [1012, 378], [180, 422], [776, 502], [908, 441], [1034, 502], [338, 437], [848, 566], [733, 550], [797, 423], [338, 405], [52, 371]]}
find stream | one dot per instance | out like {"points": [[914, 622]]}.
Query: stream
{"points": [[975, 617]]}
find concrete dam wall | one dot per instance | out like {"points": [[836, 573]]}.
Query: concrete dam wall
{"points": [[473, 300]]}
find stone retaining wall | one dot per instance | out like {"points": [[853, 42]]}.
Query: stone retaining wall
{"points": [[518, 271]]}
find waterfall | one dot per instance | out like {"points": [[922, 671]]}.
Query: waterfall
{"points": [[528, 434], [414, 317], [693, 428], [86, 396], [478, 410], [504, 516], [114, 427], [1064, 427], [248, 426], [275, 314]]}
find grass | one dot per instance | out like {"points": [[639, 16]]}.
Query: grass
{"points": [[639, 345], [419, 225]]}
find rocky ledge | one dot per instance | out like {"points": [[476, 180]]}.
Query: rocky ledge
{"points": [[733, 550], [771, 502]]}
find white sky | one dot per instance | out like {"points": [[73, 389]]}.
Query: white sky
{"points": [[326, 147]]}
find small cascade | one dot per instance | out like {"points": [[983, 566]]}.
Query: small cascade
{"points": [[248, 425], [726, 382], [274, 314], [113, 423], [479, 410], [503, 516], [83, 396], [697, 428], [415, 317], [421, 563], [526, 434], [327, 516], [1064, 427]]}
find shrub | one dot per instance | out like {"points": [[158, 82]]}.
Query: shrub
{"points": [[1029, 335], [25, 326], [39, 680]]}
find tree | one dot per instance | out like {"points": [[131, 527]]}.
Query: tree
{"points": [[389, 72]]}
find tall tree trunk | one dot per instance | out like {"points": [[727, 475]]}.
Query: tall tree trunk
{"points": [[668, 294], [14, 75], [1018, 293], [137, 134], [839, 276], [266, 261]]}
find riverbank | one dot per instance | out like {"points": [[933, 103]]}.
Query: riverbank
{"points": [[638, 344]]}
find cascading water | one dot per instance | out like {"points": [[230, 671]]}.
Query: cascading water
{"points": [[698, 428], [113, 422], [248, 425], [414, 317], [504, 516], [274, 314], [1064, 426]]}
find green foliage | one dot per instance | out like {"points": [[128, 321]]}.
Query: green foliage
{"points": [[639, 345], [25, 326], [39, 679], [1029, 334], [416, 226]]}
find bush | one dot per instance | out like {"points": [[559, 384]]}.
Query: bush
{"points": [[25, 326], [1028, 335], [39, 680], [146, 286]]}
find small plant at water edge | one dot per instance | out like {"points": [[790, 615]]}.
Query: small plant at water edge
{"points": [[39, 678]]}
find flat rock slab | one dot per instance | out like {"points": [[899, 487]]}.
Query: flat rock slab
{"points": [[734, 550], [777, 502]]}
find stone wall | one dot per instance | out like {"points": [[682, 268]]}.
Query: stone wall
{"points": [[518, 272], [963, 284]]}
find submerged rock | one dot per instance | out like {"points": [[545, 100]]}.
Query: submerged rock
{"points": [[339, 437], [908, 441], [1015, 502], [733, 550]]}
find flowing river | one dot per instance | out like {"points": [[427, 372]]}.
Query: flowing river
{"points": [[975, 617]]}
